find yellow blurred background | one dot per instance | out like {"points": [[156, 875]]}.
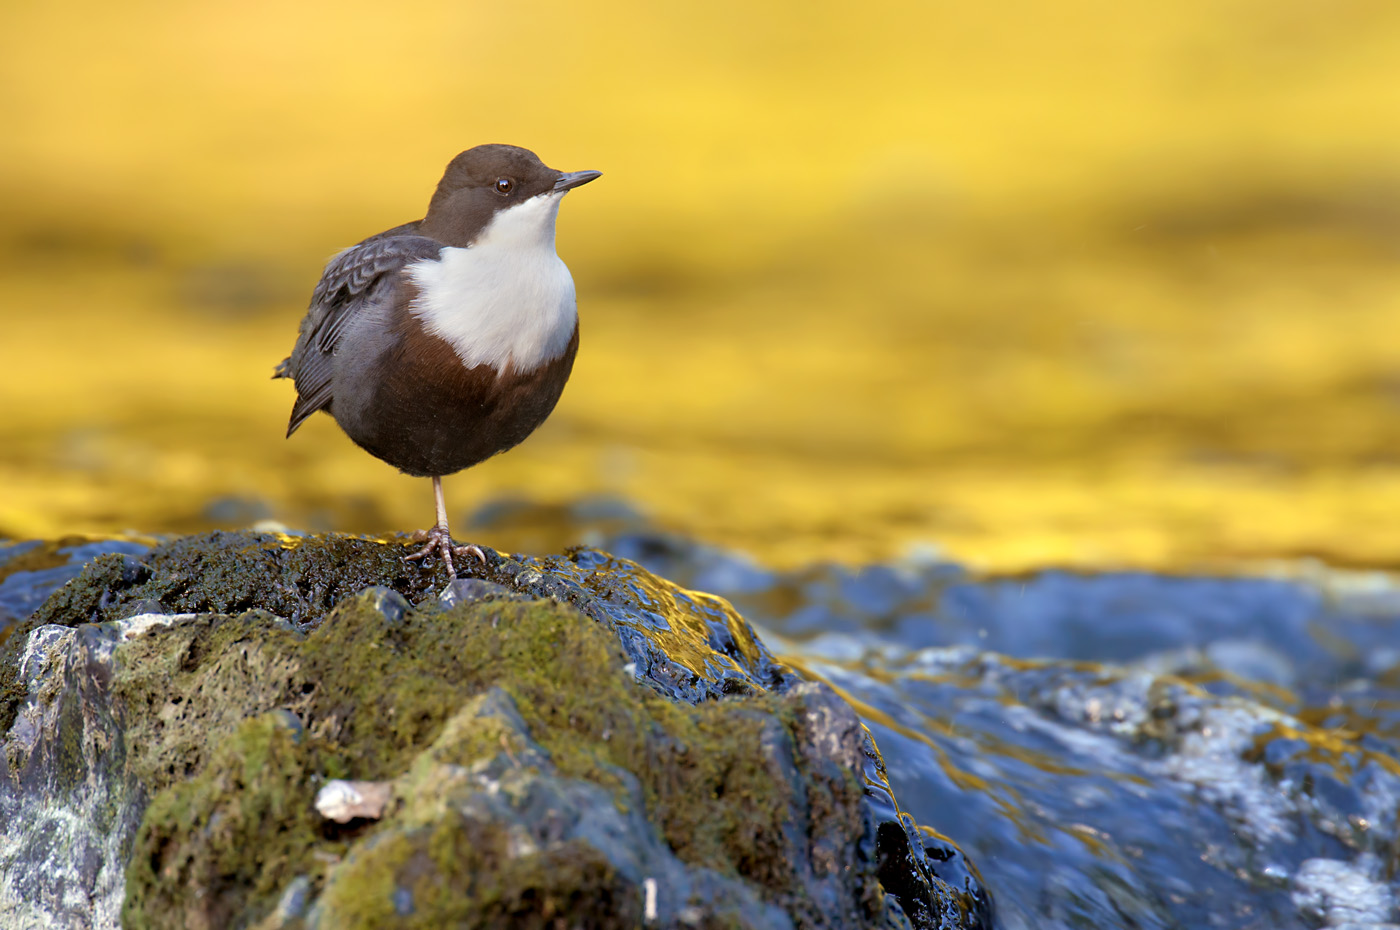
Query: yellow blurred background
{"points": [[1079, 283]]}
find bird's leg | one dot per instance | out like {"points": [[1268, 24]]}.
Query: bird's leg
{"points": [[438, 538]]}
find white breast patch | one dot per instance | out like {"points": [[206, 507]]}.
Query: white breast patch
{"points": [[506, 299]]}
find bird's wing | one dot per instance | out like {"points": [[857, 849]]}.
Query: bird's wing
{"points": [[344, 289]]}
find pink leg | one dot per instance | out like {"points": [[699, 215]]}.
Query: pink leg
{"points": [[438, 538]]}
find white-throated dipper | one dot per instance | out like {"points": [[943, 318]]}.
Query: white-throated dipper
{"points": [[438, 343]]}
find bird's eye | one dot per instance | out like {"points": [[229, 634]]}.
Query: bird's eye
{"points": [[504, 185]]}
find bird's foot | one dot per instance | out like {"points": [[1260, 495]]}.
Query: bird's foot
{"points": [[439, 540]]}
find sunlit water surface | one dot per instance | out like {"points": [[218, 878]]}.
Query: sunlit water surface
{"points": [[1071, 284]]}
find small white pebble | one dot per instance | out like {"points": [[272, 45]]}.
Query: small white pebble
{"points": [[650, 886], [343, 801]]}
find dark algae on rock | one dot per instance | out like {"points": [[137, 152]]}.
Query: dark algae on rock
{"points": [[567, 742]]}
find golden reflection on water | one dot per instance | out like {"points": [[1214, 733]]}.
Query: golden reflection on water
{"points": [[1082, 283]]}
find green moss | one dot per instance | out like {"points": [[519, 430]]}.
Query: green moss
{"points": [[220, 846], [71, 764], [231, 818], [474, 735], [461, 874], [200, 677]]}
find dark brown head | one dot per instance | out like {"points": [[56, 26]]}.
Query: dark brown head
{"points": [[485, 180]]}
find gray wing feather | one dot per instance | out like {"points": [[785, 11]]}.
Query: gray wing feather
{"points": [[342, 291]]}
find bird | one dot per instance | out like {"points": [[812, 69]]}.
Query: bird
{"points": [[441, 342]]}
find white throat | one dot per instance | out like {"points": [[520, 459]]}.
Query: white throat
{"points": [[507, 299]]}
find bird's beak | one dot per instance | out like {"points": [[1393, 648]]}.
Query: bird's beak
{"points": [[568, 180]]}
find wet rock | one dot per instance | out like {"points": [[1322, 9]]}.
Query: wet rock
{"points": [[467, 590], [390, 604], [291, 906], [563, 736], [68, 805]]}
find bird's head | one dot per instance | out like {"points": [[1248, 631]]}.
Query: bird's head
{"points": [[500, 192]]}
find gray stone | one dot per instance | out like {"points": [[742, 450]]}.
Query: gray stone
{"points": [[69, 807]]}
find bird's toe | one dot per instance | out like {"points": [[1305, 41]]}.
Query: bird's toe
{"points": [[470, 550]]}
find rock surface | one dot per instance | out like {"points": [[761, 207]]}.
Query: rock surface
{"points": [[568, 740]]}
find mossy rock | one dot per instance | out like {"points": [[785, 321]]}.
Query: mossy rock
{"points": [[234, 722], [565, 741], [694, 645]]}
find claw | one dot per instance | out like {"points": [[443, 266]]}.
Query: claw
{"points": [[470, 550], [438, 539]]}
